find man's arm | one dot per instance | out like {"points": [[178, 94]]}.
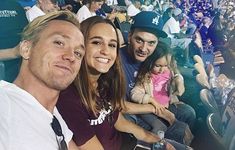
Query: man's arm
{"points": [[9, 53]]}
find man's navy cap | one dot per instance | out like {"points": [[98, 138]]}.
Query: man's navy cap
{"points": [[148, 21]]}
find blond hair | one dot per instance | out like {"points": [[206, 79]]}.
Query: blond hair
{"points": [[32, 31]]}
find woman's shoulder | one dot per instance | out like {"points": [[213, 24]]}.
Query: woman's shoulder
{"points": [[69, 95]]}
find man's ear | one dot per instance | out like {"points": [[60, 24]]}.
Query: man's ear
{"points": [[25, 47]]}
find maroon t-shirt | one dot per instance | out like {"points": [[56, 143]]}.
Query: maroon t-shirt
{"points": [[84, 124]]}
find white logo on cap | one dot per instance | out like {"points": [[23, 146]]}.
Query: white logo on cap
{"points": [[155, 20]]}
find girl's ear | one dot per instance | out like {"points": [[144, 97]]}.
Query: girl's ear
{"points": [[24, 50]]}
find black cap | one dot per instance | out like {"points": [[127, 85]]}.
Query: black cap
{"points": [[148, 21]]}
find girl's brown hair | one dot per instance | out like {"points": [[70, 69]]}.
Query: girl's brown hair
{"points": [[162, 50]]}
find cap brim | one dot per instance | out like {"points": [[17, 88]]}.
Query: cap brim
{"points": [[157, 32]]}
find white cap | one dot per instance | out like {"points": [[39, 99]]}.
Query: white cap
{"points": [[177, 11]]}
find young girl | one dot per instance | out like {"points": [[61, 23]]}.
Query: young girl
{"points": [[154, 79], [154, 85]]}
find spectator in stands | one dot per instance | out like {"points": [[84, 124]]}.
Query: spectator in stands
{"points": [[76, 5], [164, 5], [214, 3], [107, 11], [63, 6], [89, 9], [216, 33], [206, 22], [230, 34], [166, 16], [12, 22], [156, 6], [178, 38], [133, 8], [91, 106], [52, 48], [142, 41], [41, 8], [147, 6]]}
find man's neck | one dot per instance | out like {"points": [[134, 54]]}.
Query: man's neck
{"points": [[46, 96]]}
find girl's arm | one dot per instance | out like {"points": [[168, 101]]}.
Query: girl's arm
{"points": [[140, 95], [135, 108]]}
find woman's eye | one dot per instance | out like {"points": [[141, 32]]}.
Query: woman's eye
{"points": [[96, 42], [113, 45]]}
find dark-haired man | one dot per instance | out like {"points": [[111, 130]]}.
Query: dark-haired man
{"points": [[142, 41]]}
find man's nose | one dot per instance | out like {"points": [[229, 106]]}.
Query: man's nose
{"points": [[69, 55], [144, 46]]}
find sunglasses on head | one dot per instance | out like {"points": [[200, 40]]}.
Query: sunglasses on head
{"points": [[58, 131]]}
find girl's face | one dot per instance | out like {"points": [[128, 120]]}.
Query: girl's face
{"points": [[101, 48], [160, 66]]}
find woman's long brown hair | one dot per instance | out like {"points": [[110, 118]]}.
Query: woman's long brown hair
{"points": [[111, 85]]}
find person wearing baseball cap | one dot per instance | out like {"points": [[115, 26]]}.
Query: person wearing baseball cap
{"points": [[178, 38], [148, 21], [143, 38]]}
